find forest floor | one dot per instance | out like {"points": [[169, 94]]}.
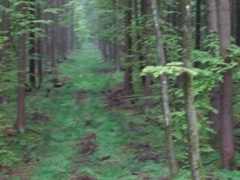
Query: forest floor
{"points": [[87, 129]]}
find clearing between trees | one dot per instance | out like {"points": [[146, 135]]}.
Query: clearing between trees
{"points": [[90, 129]]}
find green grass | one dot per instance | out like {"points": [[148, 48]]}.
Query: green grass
{"points": [[60, 153], [55, 147]]}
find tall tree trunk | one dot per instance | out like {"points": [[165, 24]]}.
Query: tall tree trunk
{"points": [[39, 49], [128, 84], [139, 38], [165, 97], [237, 36], [198, 25], [224, 26], [212, 19], [53, 44], [21, 75], [193, 136], [45, 39], [117, 39], [212, 26], [235, 12], [146, 12], [32, 61]]}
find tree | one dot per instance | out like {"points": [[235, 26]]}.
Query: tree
{"points": [[193, 136], [226, 109], [21, 70], [32, 49], [212, 25], [235, 15], [165, 98], [146, 12], [117, 36], [198, 25], [128, 79]]}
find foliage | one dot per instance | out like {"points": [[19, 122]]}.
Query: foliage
{"points": [[7, 156], [209, 71], [58, 142]]}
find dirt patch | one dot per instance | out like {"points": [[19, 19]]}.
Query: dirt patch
{"points": [[80, 96], [5, 170], [113, 98], [40, 117], [88, 144], [149, 156], [12, 172], [143, 152], [139, 146]]}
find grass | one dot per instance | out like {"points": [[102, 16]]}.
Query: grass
{"points": [[56, 146], [77, 111]]}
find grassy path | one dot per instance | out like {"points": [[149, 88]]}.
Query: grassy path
{"points": [[84, 139]]}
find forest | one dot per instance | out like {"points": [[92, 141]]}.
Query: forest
{"points": [[119, 90]]}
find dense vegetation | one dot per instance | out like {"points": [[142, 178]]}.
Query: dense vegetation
{"points": [[133, 89]]}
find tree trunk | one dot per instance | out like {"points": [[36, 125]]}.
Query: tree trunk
{"points": [[128, 84], [198, 25], [146, 12], [235, 11], [237, 36], [193, 136], [165, 98], [53, 44], [39, 49], [117, 38], [227, 86], [212, 26], [21, 75], [32, 61], [212, 19]]}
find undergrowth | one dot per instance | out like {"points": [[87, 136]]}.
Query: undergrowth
{"points": [[57, 143], [72, 135]]}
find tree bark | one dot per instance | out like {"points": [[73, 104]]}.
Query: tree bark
{"points": [[128, 84], [32, 43], [224, 26], [53, 44], [117, 34], [212, 26], [193, 136], [212, 18], [21, 75], [146, 12], [198, 25], [39, 49], [165, 98]]}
